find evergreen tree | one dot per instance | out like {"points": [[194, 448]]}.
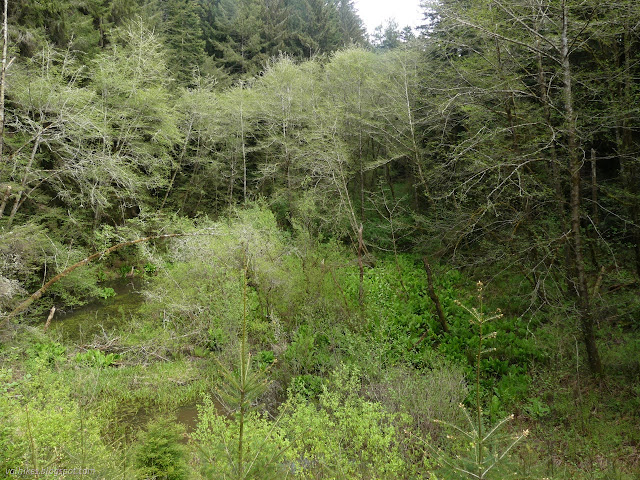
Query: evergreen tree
{"points": [[529, 124], [317, 26], [351, 26], [389, 36], [242, 35], [207, 23], [278, 35], [238, 46], [183, 38], [82, 26]]}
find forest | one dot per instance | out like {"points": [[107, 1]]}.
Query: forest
{"points": [[244, 239]]}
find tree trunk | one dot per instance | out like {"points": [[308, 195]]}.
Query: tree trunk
{"points": [[594, 189], [361, 265], [414, 143], [554, 173], [360, 154], [5, 199], [181, 158], [244, 150], [586, 315], [3, 75], [631, 170], [509, 102], [35, 296], [434, 297], [387, 176]]}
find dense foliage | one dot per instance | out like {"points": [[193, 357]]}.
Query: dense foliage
{"points": [[336, 201]]}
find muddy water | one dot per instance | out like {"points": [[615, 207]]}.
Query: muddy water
{"points": [[131, 422], [188, 416], [82, 324]]}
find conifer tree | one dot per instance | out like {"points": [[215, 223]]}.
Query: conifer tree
{"points": [[238, 46], [317, 25], [183, 34], [279, 36], [351, 26]]}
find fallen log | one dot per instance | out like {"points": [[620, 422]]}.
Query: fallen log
{"points": [[38, 293]]}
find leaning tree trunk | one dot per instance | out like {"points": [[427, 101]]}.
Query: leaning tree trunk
{"points": [[586, 314], [38, 293]]}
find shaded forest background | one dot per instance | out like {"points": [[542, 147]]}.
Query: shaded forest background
{"points": [[501, 140]]}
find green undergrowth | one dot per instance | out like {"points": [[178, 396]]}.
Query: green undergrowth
{"points": [[354, 389]]}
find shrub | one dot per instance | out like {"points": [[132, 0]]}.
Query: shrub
{"points": [[159, 454], [217, 438], [46, 427], [345, 436], [424, 395]]}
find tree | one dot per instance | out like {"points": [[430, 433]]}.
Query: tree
{"points": [[278, 35], [239, 45], [66, 23], [401, 120], [618, 47], [232, 132], [184, 42], [47, 108], [286, 106], [128, 150], [351, 27], [548, 36], [3, 79], [200, 171], [317, 27], [387, 37], [351, 88]]}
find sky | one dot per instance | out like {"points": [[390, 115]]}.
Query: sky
{"points": [[375, 12]]}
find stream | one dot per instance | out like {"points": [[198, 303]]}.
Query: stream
{"points": [[81, 325]]}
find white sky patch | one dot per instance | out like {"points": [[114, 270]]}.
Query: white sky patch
{"points": [[376, 12]]}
